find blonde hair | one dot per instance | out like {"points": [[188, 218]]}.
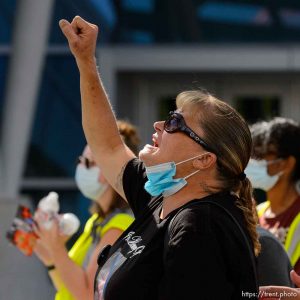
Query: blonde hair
{"points": [[227, 133]]}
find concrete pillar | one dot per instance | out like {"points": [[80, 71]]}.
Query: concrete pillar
{"points": [[30, 38]]}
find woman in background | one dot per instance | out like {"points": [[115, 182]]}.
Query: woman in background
{"points": [[275, 168], [73, 273]]}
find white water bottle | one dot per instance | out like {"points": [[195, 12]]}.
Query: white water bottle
{"points": [[68, 224], [48, 208]]}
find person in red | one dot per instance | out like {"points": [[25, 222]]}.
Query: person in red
{"points": [[275, 168]]}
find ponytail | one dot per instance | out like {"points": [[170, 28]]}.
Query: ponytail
{"points": [[246, 204]]}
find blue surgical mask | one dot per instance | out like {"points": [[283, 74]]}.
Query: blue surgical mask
{"points": [[87, 180], [257, 172], [161, 181]]}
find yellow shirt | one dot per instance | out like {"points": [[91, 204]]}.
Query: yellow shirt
{"points": [[82, 246]]}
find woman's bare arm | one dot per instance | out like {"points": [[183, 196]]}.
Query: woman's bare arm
{"points": [[98, 120]]}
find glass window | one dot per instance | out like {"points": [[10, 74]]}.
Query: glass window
{"points": [[143, 6], [256, 108], [165, 105], [7, 14], [234, 13], [101, 13], [290, 18], [183, 21], [57, 136]]}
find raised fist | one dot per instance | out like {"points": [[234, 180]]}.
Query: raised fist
{"points": [[82, 37]]}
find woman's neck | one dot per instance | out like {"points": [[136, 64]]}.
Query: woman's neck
{"points": [[281, 198], [105, 201], [179, 199], [196, 188]]}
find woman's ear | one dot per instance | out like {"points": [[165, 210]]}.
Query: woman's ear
{"points": [[205, 161]]}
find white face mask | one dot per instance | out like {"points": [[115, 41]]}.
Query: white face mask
{"points": [[88, 183], [257, 172]]}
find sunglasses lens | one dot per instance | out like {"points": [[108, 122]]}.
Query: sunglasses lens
{"points": [[172, 124], [84, 161], [87, 163]]}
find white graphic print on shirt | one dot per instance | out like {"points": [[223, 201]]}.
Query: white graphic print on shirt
{"points": [[132, 242]]}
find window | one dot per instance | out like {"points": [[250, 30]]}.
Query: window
{"points": [[7, 14], [165, 105], [255, 107], [57, 135]]}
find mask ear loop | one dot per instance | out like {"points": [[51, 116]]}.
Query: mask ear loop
{"points": [[297, 186], [181, 162], [270, 162], [188, 176]]}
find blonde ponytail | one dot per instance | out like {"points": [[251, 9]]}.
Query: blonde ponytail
{"points": [[246, 204]]}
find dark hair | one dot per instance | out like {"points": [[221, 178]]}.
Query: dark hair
{"points": [[279, 136], [229, 136], [131, 138]]}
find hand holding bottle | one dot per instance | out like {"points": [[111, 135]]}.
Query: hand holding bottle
{"points": [[47, 210], [47, 213]]}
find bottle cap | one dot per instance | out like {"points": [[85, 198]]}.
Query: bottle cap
{"points": [[49, 203], [68, 224]]}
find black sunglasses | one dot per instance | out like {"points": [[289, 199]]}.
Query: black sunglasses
{"points": [[86, 162], [176, 123]]}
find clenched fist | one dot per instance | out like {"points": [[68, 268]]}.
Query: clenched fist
{"points": [[82, 37]]}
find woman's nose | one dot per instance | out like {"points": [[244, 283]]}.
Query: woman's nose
{"points": [[159, 126]]}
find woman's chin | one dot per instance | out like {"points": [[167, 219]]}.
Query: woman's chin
{"points": [[146, 154]]}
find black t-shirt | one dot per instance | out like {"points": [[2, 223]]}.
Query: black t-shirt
{"points": [[202, 256]]}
